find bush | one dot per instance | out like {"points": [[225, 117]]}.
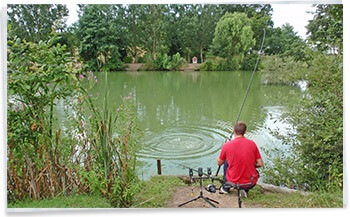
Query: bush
{"points": [[164, 62], [316, 142], [141, 59], [176, 62], [249, 62], [220, 64], [39, 75], [96, 153], [127, 59], [108, 143], [278, 70], [208, 65]]}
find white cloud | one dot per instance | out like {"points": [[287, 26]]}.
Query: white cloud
{"points": [[294, 14]]}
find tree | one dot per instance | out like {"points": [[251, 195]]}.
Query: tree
{"points": [[207, 18], [233, 37], [173, 29], [154, 20], [285, 42], [316, 138], [326, 28], [102, 36], [188, 29], [36, 22], [133, 24]]}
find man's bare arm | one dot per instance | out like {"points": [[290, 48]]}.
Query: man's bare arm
{"points": [[259, 163], [220, 162]]}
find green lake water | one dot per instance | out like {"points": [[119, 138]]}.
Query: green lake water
{"points": [[186, 116]]}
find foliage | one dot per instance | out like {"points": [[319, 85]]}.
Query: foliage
{"points": [[316, 140], [154, 21], [35, 22], [285, 42], [221, 64], [325, 30], [249, 62], [39, 75], [134, 35], [95, 153], [284, 167], [319, 122], [281, 70], [107, 34], [107, 144], [233, 37], [207, 19], [164, 62], [101, 33], [259, 14], [176, 62], [208, 65]]}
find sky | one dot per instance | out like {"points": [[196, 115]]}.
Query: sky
{"points": [[283, 12]]}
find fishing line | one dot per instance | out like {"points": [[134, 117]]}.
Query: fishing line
{"points": [[250, 82], [240, 111]]}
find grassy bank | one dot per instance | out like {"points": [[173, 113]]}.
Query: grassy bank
{"points": [[159, 189], [258, 197], [75, 201]]}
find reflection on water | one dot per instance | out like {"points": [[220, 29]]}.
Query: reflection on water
{"points": [[186, 117]]}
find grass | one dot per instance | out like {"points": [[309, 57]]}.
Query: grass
{"points": [[159, 189], [258, 197], [75, 201], [154, 194]]}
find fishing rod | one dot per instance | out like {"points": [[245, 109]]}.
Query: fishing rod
{"points": [[240, 111], [191, 168], [250, 82], [246, 94]]}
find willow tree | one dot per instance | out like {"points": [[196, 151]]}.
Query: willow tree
{"points": [[233, 37]]}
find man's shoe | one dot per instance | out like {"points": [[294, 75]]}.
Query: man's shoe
{"points": [[223, 190], [242, 193]]}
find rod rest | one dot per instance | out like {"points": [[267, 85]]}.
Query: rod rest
{"points": [[237, 186]]}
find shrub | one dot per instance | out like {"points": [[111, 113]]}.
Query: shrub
{"points": [[316, 141], [176, 62], [164, 62], [278, 70], [96, 153], [249, 62], [39, 75], [208, 65]]}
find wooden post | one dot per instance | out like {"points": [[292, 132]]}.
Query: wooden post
{"points": [[159, 167]]}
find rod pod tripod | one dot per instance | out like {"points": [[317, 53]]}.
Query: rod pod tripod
{"points": [[200, 174], [237, 186]]}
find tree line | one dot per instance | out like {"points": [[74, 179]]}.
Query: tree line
{"points": [[109, 35]]}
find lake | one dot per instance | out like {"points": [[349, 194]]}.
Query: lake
{"points": [[187, 116]]}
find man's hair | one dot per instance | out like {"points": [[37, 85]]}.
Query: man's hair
{"points": [[240, 128]]}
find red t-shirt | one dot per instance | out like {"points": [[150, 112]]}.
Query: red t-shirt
{"points": [[241, 155]]}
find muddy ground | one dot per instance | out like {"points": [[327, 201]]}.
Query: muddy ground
{"points": [[183, 194]]}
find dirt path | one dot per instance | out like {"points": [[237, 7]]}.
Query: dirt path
{"points": [[183, 194]]}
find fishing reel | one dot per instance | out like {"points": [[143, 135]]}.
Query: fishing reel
{"points": [[211, 187]]}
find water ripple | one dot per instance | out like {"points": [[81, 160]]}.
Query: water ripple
{"points": [[182, 142]]}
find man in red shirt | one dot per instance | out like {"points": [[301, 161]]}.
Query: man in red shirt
{"points": [[241, 157]]}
